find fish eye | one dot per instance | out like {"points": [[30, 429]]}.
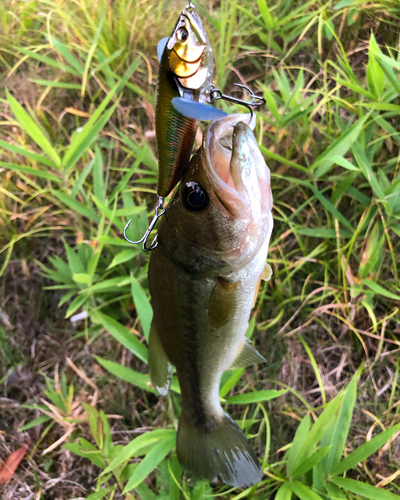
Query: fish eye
{"points": [[194, 197], [182, 34]]}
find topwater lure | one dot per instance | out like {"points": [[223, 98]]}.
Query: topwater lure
{"points": [[184, 86], [203, 278]]}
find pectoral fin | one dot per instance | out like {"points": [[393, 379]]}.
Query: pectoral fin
{"points": [[267, 273], [223, 302], [160, 367], [248, 355], [265, 276], [197, 110], [161, 46]]}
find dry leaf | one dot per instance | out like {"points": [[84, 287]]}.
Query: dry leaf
{"points": [[77, 112], [387, 480], [8, 467]]}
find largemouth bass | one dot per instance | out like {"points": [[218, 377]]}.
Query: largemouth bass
{"points": [[204, 277], [185, 75]]}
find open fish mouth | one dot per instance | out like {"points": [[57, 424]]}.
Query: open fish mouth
{"points": [[232, 158]]}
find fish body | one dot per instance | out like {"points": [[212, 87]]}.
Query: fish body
{"points": [[203, 278], [186, 69]]}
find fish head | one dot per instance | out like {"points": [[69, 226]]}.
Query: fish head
{"points": [[222, 209], [190, 53]]}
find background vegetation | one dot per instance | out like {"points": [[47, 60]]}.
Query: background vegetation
{"points": [[78, 159]]}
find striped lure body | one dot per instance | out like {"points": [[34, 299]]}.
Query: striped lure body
{"points": [[186, 69]]}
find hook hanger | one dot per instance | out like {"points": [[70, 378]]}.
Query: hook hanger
{"points": [[256, 100], [160, 210]]}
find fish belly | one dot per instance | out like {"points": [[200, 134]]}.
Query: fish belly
{"points": [[200, 352], [209, 443]]}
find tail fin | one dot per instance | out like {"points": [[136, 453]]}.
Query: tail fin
{"points": [[222, 451]]}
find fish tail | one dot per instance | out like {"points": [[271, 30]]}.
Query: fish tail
{"points": [[220, 450]]}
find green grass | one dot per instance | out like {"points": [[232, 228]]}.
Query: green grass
{"points": [[77, 160]]}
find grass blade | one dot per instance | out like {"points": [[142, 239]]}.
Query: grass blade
{"points": [[299, 438], [314, 364], [363, 489], [342, 426], [32, 129], [77, 207], [135, 378], [255, 397], [91, 52], [65, 52], [330, 208], [150, 462], [310, 462], [124, 336], [31, 171], [48, 60], [28, 154], [315, 434], [53, 84], [133, 448], [378, 289], [339, 147], [85, 139], [123, 256], [284, 492], [365, 450], [71, 156], [143, 307], [366, 169], [98, 178], [303, 492]]}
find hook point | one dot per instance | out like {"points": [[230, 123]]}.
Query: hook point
{"points": [[146, 235]]}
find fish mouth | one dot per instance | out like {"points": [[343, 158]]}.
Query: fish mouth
{"points": [[233, 160]]}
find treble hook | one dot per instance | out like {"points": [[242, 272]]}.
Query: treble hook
{"points": [[256, 100], [146, 235]]}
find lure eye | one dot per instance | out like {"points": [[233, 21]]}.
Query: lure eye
{"points": [[182, 34], [194, 197]]}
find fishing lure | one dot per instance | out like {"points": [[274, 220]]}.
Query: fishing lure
{"points": [[184, 87]]}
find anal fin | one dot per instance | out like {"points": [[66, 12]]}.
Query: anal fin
{"points": [[248, 355], [159, 366]]}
